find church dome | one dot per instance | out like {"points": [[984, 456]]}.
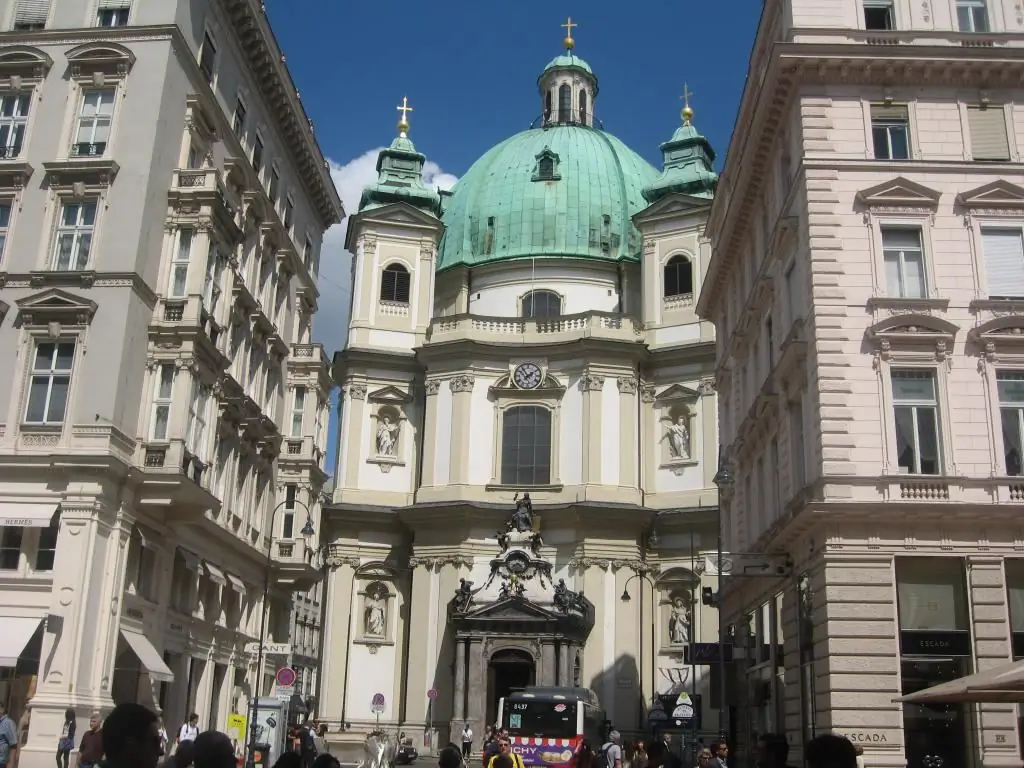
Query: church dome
{"points": [[563, 190]]}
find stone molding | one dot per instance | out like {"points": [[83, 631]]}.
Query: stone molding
{"points": [[440, 561], [462, 383], [357, 391], [432, 386], [639, 566]]}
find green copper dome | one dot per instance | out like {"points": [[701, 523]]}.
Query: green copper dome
{"points": [[568, 60], [554, 192]]}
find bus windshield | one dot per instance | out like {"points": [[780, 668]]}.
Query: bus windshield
{"points": [[550, 719]]}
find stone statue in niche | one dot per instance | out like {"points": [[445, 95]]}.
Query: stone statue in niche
{"points": [[522, 517], [679, 623], [387, 435], [678, 436], [375, 611]]}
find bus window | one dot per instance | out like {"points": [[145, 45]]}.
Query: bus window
{"points": [[549, 719]]}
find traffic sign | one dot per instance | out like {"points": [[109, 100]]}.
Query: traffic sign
{"points": [[432, 694], [285, 677], [284, 692], [377, 703]]}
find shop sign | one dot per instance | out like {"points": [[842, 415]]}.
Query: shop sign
{"points": [[705, 653], [924, 642], [867, 737]]}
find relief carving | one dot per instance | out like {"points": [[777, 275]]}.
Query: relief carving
{"points": [[627, 385], [462, 383], [432, 386], [591, 382], [357, 391]]}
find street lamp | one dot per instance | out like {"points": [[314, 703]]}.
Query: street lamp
{"points": [[307, 531], [640, 573], [723, 479]]}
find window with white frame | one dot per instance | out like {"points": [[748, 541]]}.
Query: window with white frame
{"points": [[255, 371], [208, 57], [890, 131], [526, 446], [257, 154], [988, 138], [50, 382], [1003, 249], [1010, 386], [298, 408], [5, 223], [46, 551], [288, 523], [879, 15], [288, 217], [238, 118], [31, 15], [307, 253], [13, 122], [904, 262], [113, 13], [10, 547], [916, 413], [274, 187], [178, 284], [93, 129], [195, 430], [220, 463], [212, 281], [972, 15], [74, 236], [163, 388]]}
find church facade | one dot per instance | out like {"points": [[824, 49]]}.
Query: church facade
{"points": [[528, 438]]}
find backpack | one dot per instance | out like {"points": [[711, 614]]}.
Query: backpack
{"points": [[601, 760]]}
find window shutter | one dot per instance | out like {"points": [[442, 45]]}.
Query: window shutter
{"points": [[32, 12], [884, 112], [988, 133], [1004, 262]]}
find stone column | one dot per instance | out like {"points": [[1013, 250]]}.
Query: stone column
{"points": [[565, 663], [476, 710], [708, 448], [648, 437], [428, 440], [628, 432], [462, 396], [419, 672], [354, 448], [459, 698], [337, 637], [548, 674], [591, 385]]}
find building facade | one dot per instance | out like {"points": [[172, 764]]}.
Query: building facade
{"points": [[531, 331], [866, 288], [162, 202]]}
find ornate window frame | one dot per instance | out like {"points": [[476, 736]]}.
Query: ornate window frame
{"points": [[504, 394], [49, 315], [521, 300], [681, 300], [386, 307], [94, 66], [907, 342], [900, 202], [673, 402], [546, 154], [368, 577], [22, 68], [392, 402], [1000, 346], [72, 185], [997, 204]]}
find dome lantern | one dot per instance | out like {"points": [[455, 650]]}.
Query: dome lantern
{"points": [[689, 161], [568, 86]]}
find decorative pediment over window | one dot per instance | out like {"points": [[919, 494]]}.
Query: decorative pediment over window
{"points": [[1000, 337], [391, 395], [998, 196], [673, 206], [546, 168], [913, 334], [548, 387], [375, 570], [23, 62], [55, 306], [4, 306], [98, 60], [677, 392], [80, 177], [899, 196]]}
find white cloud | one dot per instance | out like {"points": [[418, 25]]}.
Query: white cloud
{"points": [[330, 326]]}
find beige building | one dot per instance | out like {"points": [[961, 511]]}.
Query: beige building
{"points": [[162, 203], [494, 350], [867, 287]]}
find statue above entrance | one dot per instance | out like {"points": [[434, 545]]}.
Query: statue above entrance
{"points": [[519, 528], [522, 517]]}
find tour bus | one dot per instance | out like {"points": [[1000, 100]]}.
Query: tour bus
{"points": [[546, 724]]}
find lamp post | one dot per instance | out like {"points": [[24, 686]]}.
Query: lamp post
{"points": [[642, 573], [723, 480], [307, 531]]}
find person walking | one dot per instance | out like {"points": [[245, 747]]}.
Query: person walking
{"points": [[8, 738], [505, 747], [66, 742], [213, 749], [830, 750], [90, 749], [467, 740], [189, 730], [130, 738], [610, 754]]}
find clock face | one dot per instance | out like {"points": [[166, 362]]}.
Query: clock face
{"points": [[527, 376]]}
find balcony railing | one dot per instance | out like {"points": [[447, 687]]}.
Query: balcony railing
{"points": [[308, 354], [497, 330], [88, 149]]}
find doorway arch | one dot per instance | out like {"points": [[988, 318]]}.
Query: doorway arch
{"points": [[508, 669]]}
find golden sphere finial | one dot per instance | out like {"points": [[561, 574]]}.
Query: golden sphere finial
{"points": [[687, 112], [568, 43], [403, 121], [687, 115]]}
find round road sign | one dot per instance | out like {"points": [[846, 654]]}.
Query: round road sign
{"points": [[432, 694], [377, 704], [285, 676]]}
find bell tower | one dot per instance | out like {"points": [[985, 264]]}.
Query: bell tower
{"points": [[568, 86]]}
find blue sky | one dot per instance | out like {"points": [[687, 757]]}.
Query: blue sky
{"points": [[470, 72]]}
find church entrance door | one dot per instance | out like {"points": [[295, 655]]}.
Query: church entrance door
{"points": [[508, 670]]}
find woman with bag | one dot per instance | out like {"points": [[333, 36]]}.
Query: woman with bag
{"points": [[66, 742]]}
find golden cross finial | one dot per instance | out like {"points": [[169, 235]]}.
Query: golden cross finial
{"points": [[403, 123], [568, 42], [687, 112]]}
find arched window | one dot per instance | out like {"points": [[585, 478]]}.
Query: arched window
{"points": [[538, 304], [564, 103], [394, 284], [547, 106], [526, 446], [678, 277], [583, 107]]}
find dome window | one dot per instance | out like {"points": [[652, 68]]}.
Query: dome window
{"points": [[583, 108], [564, 103], [547, 107], [540, 304], [394, 284], [547, 166], [678, 277]]}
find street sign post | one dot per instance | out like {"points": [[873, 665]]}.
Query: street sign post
{"points": [[431, 698], [285, 677], [284, 692], [377, 705]]}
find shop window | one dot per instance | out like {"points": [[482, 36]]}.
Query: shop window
{"points": [[10, 547], [46, 552]]}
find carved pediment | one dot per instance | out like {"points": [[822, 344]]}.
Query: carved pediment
{"points": [[548, 386], [676, 204], [513, 609], [999, 194], [24, 61], [913, 332], [389, 394], [106, 57], [375, 570], [899, 193], [400, 213], [55, 306], [1001, 334], [677, 392]]}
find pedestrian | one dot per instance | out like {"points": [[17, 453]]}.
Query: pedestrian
{"points": [[639, 755], [860, 755], [720, 755], [130, 738], [66, 742], [776, 751], [585, 755], [505, 745], [8, 738], [289, 760], [450, 757], [307, 747], [213, 750], [326, 761], [830, 750], [184, 756], [493, 747], [467, 740], [610, 755], [704, 758], [164, 738], [90, 749], [189, 730]]}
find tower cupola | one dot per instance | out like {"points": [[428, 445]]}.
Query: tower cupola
{"points": [[689, 161], [568, 87]]}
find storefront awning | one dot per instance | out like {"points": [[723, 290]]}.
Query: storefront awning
{"points": [[1004, 683], [27, 515], [15, 632], [236, 584], [148, 656], [216, 574]]}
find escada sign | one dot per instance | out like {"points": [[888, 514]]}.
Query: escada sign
{"points": [[867, 737]]}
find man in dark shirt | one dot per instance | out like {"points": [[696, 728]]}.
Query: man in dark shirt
{"points": [[131, 737], [90, 750]]}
